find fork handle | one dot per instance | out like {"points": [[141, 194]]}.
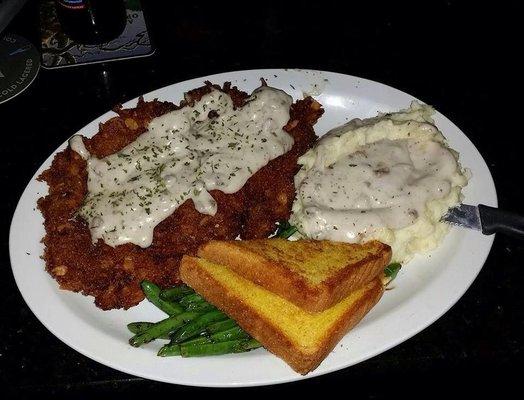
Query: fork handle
{"points": [[495, 220]]}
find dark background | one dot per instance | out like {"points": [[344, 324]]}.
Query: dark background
{"points": [[462, 58]]}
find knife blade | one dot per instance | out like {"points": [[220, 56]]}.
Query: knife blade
{"points": [[465, 216], [487, 219]]}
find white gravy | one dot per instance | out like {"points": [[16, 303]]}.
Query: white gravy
{"points": [[386, 183], [183, 155]]}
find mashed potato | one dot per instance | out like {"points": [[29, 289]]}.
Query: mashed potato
{"points": [[389, 178]]}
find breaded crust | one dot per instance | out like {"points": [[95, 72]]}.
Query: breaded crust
{"points": [[113, 275], [269, 333], [334, 270]]}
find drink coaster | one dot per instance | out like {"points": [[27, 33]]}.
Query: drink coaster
{"points": [[59, 50], [19, 65]]}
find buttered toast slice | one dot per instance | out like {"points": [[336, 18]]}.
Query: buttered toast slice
{"points": [[300, 338], [312, 274]]}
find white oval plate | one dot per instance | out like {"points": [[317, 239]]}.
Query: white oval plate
{"points": [[424, 290]]}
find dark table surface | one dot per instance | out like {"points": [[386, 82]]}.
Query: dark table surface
{"points": [[464, 60]]}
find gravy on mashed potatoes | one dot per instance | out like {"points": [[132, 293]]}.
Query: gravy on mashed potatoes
{"points": [[389, 178]]}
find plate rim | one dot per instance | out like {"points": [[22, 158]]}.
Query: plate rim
{"points": [[401, 338]]}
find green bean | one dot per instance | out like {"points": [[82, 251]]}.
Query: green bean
{"points": [[285, 230], [212, 349], [175, 293], [392, 269], [163, 327], [139, 327], [152, 293], [224, 336], [201, 307], [221, 326], [171, 349], [191, 298], [198, 325]]}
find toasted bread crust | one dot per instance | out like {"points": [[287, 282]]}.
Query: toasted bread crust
{"points": [[360, 274], [266, 331], [271, 275], [278, 278]]}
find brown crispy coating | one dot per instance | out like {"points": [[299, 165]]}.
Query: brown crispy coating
{"points": [[112, 275]]}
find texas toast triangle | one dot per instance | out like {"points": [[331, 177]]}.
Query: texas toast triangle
{"points": [[302, 339], [312, 274]]}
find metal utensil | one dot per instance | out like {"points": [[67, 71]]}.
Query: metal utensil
{"points": [[487, 219]]}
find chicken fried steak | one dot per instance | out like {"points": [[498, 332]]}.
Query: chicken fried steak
{"points": [[113, 274]]}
